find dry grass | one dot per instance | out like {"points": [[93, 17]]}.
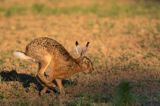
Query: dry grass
{"points": [[123, 48]]}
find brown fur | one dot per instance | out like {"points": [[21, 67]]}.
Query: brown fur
{"points": [[49, 53]]}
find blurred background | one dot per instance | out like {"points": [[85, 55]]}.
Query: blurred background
{"points": [[125, 50]]}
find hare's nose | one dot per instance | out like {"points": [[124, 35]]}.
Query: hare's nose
{"points": [[90, 71]]}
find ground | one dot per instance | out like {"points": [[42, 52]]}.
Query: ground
{"points": [[124, 41]]}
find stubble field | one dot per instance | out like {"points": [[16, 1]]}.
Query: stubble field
{"points": [[124, 38]]}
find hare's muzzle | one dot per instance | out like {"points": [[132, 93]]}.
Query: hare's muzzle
{"points": [[92, 69], [89, 70]]}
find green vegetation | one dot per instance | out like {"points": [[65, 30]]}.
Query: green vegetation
{"points": [[142, 8], [70, 83], [41, 9], [1, 95], [0, 79], [15, 9], [2, 9], [1, 61], [123, 95], [86, 99]]}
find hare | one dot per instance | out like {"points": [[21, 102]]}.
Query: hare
{"points": [[49, 53]]}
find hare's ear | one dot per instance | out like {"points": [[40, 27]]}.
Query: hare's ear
{"points": [[87, 44], [84, 50], [78, 48]]}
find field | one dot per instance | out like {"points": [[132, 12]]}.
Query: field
{"points": [[124, 38]]}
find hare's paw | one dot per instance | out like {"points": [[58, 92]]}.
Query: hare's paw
{"points": [[43, 91]]}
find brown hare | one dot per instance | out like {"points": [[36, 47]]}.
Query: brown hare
{"points": [[51, 54]]}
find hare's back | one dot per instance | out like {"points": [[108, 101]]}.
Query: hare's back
{"points": [[44, 46]]}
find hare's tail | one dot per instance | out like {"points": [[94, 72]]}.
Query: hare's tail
{"points": [[22, 55]]}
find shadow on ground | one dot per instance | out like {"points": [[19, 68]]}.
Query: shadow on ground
{"points": [[25, 79]]}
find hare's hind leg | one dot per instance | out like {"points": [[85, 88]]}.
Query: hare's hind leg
{"points": [[45, 89], [60, 86], [42, 68]]}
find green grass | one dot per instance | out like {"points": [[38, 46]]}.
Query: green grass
{"points": [[41, 9], [1, 79], [45, 10], [82, 99], [108, 9], [144, 99], [1, 61], [157, 95], [1, 95], [141, 99], [2, 9], [15, 9], [123, 95]]}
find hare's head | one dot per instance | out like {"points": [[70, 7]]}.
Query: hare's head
{"points": [[84, 62]]}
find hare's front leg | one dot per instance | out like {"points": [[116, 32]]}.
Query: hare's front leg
{"points": [[45, 89], [60, 86]]}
